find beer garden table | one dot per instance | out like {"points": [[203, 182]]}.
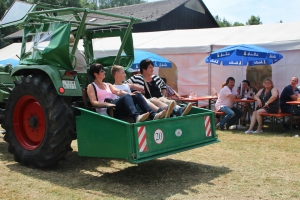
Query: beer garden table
{"points": [[211, 100]]}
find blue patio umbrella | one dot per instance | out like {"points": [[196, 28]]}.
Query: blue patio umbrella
{"points": [[158, 61], [11, 61], [243, 55]]}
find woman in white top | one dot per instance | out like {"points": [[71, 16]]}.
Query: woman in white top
{"points": [[119, 76]]}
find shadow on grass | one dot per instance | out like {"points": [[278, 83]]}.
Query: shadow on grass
{"points": [[156, 179]]}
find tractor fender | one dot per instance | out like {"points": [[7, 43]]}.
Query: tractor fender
{"points": [[56, 76]]}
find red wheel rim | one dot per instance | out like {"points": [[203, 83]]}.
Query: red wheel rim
{"points": [[29, 122]]}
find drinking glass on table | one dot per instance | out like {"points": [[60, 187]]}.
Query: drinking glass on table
{"points": [[192, 93], [195, 94]]}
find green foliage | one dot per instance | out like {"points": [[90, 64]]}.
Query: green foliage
{"points": [[254, 20], [64, 3], [238, 24], [102, 4], [116, 3], [224, 23], [90, 5]]}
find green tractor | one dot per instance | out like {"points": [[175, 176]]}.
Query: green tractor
{"points": [[46, 106]]}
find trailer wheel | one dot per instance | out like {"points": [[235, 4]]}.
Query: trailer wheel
{"points": [[39, 123]]}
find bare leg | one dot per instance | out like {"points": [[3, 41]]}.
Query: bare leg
{"points": [[259, 118], [158, 103], [253, 121], [151, 105]]}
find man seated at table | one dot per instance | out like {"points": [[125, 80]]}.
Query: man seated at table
{"points": [[290, 93], [225, 104]]}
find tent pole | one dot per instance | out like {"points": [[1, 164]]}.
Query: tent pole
{"points": [[209, 79], [209, 72], [241, 91]]}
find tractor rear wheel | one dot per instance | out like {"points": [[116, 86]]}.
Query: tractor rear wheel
{"points": [[39, 123]]}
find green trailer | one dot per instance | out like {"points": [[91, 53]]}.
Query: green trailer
{"points": [[45, 107], [103, 136]]}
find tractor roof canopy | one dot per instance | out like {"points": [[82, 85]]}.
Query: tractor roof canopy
{"points": [[47, 29]]}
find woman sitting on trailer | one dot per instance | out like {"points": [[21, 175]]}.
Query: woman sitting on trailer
{"points": [[101, 95]]}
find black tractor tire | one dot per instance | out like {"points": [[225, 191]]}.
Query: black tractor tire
{"points": [[39, 123]]}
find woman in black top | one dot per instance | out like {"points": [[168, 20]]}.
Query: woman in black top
{"points": [[246, 92], [267, 101]]}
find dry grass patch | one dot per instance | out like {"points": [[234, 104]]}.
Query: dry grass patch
{"points": [[241, 166]]}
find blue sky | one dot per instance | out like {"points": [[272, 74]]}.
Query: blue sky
{"points": [[269, 11]]}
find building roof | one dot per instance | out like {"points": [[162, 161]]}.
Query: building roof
{"points": [[147, 11], [14, 35]]}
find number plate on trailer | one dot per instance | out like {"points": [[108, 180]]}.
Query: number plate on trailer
{"points": [[69, 85]]}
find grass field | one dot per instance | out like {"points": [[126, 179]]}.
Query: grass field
{"points": [[264, 166]]}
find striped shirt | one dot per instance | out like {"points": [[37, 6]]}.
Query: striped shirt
{"points": [[155, 86]]}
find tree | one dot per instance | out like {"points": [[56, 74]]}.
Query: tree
{"points": [[226, 23], [64, 3], [92, 4], [117, 3], [238, 24], [254, 20], [222, 23]]}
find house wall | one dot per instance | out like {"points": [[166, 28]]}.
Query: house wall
{"points": [[180, 18]]}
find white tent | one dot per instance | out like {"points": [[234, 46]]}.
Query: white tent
{"points": [[189, 48]]}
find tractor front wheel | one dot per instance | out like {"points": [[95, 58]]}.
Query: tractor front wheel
{"points": [[39, 123]]}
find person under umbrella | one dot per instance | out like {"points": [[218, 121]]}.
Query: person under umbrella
{"points": [[225, 104], [267, 102]]}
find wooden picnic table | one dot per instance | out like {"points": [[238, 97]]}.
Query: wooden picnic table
{"points": [[239, 102], [196, 99], [295, 104]]}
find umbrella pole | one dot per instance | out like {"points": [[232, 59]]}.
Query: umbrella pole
{"points": [[241, 92], [239, 126]]}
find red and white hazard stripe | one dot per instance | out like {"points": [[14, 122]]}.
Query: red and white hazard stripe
{"points": [[142, 138], [207, 126]]}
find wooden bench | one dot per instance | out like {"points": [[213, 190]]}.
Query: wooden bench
{"points": [[220, 115], [275, 117]]}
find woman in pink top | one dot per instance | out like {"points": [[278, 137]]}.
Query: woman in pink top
{"points": [[123, 105]]}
